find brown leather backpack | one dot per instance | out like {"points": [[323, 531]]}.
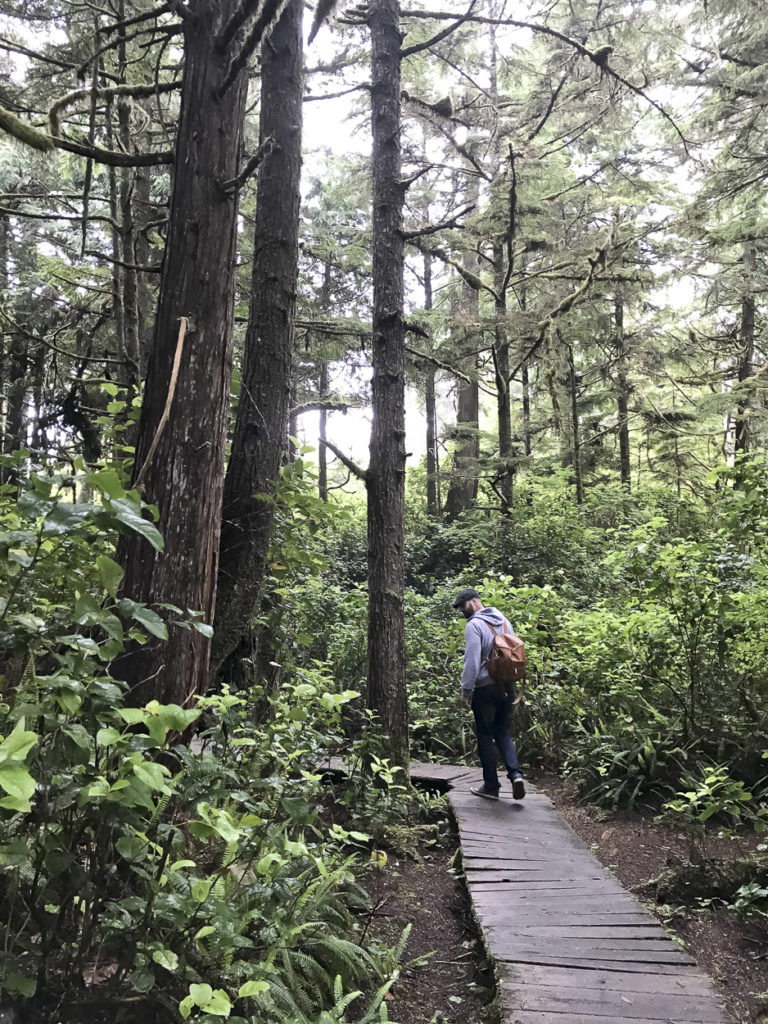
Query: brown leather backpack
{"points": [[506, 662]]}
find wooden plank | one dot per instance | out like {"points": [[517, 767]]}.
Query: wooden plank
{"points": [[539, 891], [685, 980], [628, 966], [534, 874], [641, 932], [522, 922], [658, 950], [548, 1017], [487, 881], [662, 1006]]}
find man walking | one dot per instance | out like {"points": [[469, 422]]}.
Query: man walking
{"points": [[491, 705]]}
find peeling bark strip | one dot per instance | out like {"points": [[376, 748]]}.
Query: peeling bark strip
{"points": [[184, 477], [385, 477], [262, 414]]}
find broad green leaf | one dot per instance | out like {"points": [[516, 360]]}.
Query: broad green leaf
{"points": [[15, 853], [131, 848], [200, 890], [132, 715], [64, 518], [252, 988], [20, 556], [143, 979], [219, 1005], [18, 744], [28, 621], [200, 993], [298, 809], [79, 735], [128, 513], [152, 775], [17, 782], [166, 958], [110, 572], [106, 737], [20, 983], [149, 619], [108, 482]]}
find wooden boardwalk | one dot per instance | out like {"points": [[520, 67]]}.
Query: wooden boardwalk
{"points": [[571, 945]]}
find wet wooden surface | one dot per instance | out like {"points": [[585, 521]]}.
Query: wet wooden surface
{"points": [[571, 945]]}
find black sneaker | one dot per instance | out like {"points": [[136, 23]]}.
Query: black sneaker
{"points": [[518, 787], [487, 793]]}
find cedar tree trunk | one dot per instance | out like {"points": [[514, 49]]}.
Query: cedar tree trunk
{"points": [[573, 389], [622, 398], [747, 353], [185, 476], [433, 494], [385, 477], [262, 415]]}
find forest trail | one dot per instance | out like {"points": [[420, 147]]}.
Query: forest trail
{"points": [[571, 945]]}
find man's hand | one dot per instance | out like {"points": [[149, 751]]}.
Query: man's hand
{"points": [[466, 700]]}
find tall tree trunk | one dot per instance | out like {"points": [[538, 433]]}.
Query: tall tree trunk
{"points": [[526, 410], [184, 476], [526, 378], [747, 353], [502, 269], [433, 497], [573, 388], [322, 454], [8, 357], [262, 413], [145, 255], [506, 477], [128, 373], [385, 478], [324, 385], [622, 397], [127, 225], [462, 490]]}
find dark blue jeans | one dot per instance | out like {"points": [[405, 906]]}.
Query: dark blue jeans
{"points": [[493, 718]]}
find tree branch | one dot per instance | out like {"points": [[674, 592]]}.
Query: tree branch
{"points": [[596, 262], [351, 465], [238, 19], [418, 47], [15, 212], [364, 87], [33, 137], [439, 364], [145, 269], [258, 157], [433, 228], [328, 406], [107, 91], [471, 279], [267, 17]]}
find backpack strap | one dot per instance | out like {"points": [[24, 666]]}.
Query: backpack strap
{"points": [[503, 628]]}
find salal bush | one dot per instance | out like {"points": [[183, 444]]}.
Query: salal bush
{"points": [[136, 872]]}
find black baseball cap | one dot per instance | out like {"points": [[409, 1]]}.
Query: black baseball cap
{"points": [[465, 595]]}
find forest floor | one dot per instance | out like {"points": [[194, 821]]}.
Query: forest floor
{"points": [[446, 979], [731, 949]]}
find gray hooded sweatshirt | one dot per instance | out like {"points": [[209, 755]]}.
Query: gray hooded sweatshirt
{"points": [[478, 640]]}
